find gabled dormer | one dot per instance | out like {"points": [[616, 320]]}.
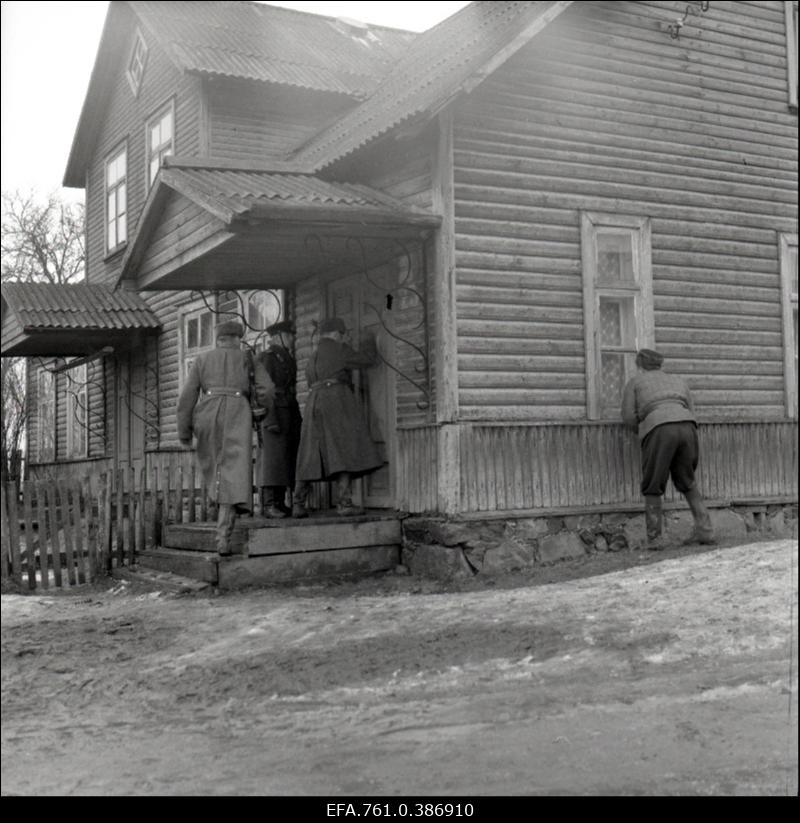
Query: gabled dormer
{"points": [[239, 82]]}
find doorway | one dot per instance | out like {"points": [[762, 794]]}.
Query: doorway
{"points": [[360, 304], [131, 411]]}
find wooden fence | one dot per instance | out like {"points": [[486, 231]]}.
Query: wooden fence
{"points": [[71, 532]]}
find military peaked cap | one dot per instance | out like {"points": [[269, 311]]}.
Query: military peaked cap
{"points": [[649, 359], [285, 326], [230, 327]]}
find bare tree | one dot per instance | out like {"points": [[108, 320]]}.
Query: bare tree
{"points": [[42, 242], [15, 416]]}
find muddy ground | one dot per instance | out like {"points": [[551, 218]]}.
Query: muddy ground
{"points": [[640, 673]]}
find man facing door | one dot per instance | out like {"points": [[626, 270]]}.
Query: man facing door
{"points": [[334, 442], [280, 429]]}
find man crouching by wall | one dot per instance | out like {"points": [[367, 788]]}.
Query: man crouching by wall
{"points": [[215, 407], [660, 407]]}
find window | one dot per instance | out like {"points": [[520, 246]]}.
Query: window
{"points": [[137, 63], [77, 412], [196, 336], [160, 140], [789, 300], [46, 416], [791, 50], [263, 309], [618, 305], [117, 200]]}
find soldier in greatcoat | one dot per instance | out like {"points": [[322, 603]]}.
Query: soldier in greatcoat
{"points": [[335, 443], [659, 406], [215, 407], [280, 430]]}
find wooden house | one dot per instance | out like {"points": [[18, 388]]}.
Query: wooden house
{"points": [[515, 201]]}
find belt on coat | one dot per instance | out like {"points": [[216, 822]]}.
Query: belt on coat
{"points": [[224, 392], [320, 384]]}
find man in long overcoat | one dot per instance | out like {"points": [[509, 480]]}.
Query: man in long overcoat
{"points": [[280, 430], [215, 407], [335, 443]]}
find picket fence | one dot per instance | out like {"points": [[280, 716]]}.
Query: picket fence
{"points": [[69, 533]]}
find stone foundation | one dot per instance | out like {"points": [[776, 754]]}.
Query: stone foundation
{"points": [[440, 548]]}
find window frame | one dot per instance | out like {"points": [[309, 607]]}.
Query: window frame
{"points": [[790, 13], [77, 396], [257, 338], [640, 290], [789, 307], [45, 399], [186, 354], [111, 157], [158, 115], [135, 75]]}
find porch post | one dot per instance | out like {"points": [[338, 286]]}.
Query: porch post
{"points": [[444, 294]]}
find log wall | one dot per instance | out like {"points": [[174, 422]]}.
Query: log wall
{"points": [[605, 112]]}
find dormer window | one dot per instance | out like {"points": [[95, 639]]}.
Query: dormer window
{"points": [[160, 140], [137, 64]]}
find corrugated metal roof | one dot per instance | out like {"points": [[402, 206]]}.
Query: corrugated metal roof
{"points": [[272, 44], [77, 306], [426, 77], [245, 191]]}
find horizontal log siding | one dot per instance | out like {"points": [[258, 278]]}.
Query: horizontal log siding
{"points": [[517, 467], [604, 112], [163, 368], [32, 367], [253, 121], [61, 416], [126, 118], [98, 405]]}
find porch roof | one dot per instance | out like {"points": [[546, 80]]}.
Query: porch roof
{"points": [[252, 226], [47, 319]]}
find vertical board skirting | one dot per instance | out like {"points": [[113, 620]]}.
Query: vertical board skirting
{"points": [[544, 466], [417, 475]]}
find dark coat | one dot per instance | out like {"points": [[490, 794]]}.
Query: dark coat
{"points": [[280, 431], [335, 437], [222, 422]]}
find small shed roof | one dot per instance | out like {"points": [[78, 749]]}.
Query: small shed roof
{"points": [[45, 318]]}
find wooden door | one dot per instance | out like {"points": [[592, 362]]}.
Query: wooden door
{"points": [[130, 411], [359, 304]]}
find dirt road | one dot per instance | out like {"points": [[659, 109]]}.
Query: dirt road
{"points": [[676, 677]]}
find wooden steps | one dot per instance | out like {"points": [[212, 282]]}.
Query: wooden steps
{"points": [[279, 551]]}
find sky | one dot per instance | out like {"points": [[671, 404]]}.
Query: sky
{"points": [[48, 51]]}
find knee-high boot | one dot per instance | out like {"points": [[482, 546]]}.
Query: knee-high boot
{"points": [[654, 522], [344, 504], [226, 522], [703, 531], [300, 499], [271, 496]]}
